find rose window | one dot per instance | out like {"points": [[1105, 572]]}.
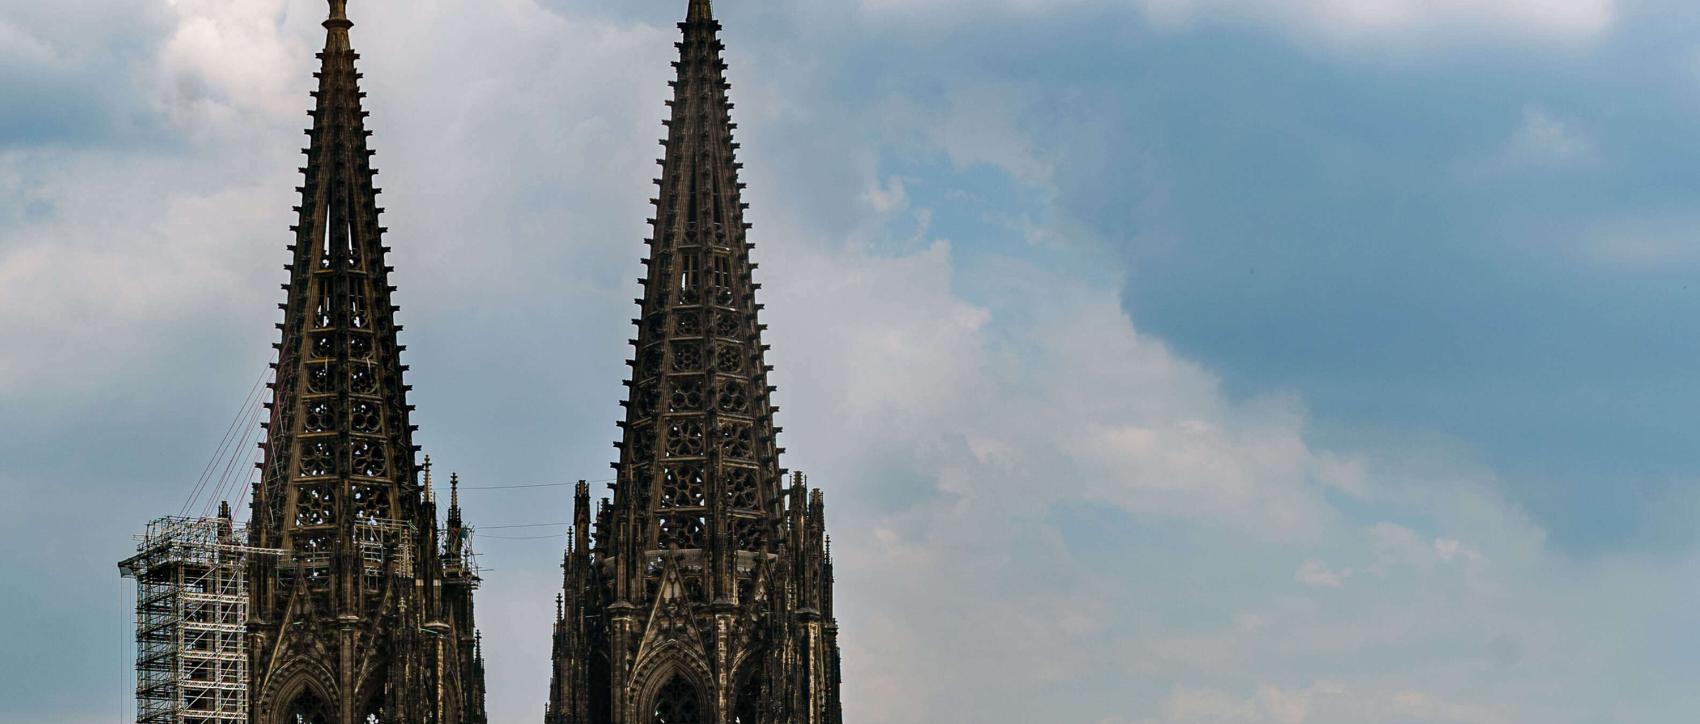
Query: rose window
{"points": [[370, 503], [735, 440], [682, 487], [684, 531], [318, 458], [324, 345], [321, 378], [687, 394], [687, 357], [365, 416], [321, 416], [734, 397], [729, 360], [368, 459], [746, 534], [315, 505], [741, 488], [726, 324], [690, 323], [362, 379], [684, 438]]}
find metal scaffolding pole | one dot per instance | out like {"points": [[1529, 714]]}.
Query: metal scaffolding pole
{"points": [[191, 614]]}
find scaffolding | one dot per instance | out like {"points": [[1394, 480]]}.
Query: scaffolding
{"points": [[382, 542], [191, 611]]}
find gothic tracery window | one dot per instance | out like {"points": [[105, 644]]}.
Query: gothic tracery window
{"points": [[678, 703], [374, 712], [307, 708], [690, 278], [722, 279], [749, 699]]}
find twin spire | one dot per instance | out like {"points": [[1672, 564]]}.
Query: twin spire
{"points": [[362, 570]]}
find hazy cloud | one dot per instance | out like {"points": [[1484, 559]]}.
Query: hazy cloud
{"points": [[1016, 471]]}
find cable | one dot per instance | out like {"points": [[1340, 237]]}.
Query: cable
{"points": [[242, 495], [528, 525], [231, 470], [531, 537], [218, 453], [532, 485]]}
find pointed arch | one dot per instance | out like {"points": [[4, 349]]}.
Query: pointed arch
{"points": [[658, 665], [672, 668], [374, 710], [371, 698], [300, 695], [746, 702], [307, 707], [679, 701]]}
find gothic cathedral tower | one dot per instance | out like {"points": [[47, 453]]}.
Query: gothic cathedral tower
{"points": [[366, 614], [706, 597]]}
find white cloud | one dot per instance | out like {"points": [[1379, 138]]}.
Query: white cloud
{"points": [[1041, 512], [227, 61], [1316, 573], [1374, 25], [1655, 240], [1404, 20], [1542, 138]]}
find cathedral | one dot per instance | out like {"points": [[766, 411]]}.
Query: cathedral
{"points": [[700, 593]]}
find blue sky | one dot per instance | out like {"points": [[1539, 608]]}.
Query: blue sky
{"points": [[1164, 361]]}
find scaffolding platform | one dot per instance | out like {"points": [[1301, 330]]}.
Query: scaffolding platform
{"points": [[191, 615]]}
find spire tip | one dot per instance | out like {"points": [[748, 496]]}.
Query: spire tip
{"points": [[339, 16], [700, 11]]}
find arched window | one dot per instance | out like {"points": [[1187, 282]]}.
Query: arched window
{"points": [[307, 708], [749, 701], [678, 703], [374, 712]]}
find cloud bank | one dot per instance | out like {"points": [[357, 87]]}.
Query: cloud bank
{"points": [[1041, 511]]}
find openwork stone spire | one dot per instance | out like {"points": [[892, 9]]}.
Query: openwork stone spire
{"points": [[698, 460], [357, 618], [340, 450], [707, 594]]}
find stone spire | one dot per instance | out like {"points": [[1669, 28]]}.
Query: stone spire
{"points": [[339, 450], [699, 461], [346, 622], [705, 558]]}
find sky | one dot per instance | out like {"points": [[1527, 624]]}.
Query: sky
{"points": [[1163, 361]]}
